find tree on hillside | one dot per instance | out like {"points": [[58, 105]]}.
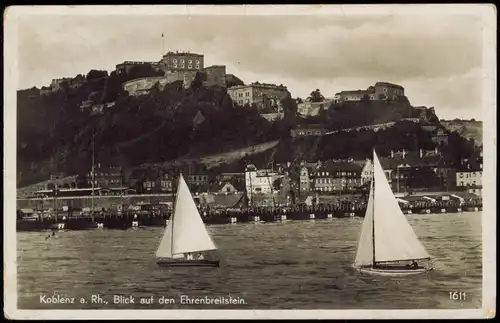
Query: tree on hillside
{"points": [[234, 81], [289, 107], [316, 96], [299, 100], [197, 81], [96, 74], [143, 70]]}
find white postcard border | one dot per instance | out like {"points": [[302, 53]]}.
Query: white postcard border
{"points": [[487, 14]]}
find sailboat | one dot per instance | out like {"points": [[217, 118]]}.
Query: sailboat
{"points": [[186, 241], [387, 244]]}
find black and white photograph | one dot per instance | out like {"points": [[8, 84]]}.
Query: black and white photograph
{"points": [[250, 161]]}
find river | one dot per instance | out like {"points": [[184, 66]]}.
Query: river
{"points": [[290, 265]]}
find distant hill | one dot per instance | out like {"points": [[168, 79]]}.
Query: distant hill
{"points": [[470, 129]]}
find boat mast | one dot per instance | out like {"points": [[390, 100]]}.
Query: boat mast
{"points": [[373, 210], [251, 189], [176, 194], [93, 178]]}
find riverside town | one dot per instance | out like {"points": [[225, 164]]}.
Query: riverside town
{"points": [[309, 158]]}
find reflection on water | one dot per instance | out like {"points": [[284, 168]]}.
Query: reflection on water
{"points": [[297, 264]]}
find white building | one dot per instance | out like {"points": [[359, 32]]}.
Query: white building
{"points": [[305, 179], [367, 172], [259, 181], [469, 178]]}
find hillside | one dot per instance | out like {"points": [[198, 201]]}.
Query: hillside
{"points": [[469, 129], [175, 123], [164, 125], [366, 112], [402, 135]]}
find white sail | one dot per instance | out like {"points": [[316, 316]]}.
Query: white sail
{"points": [[394, 237], [165, 248], [364, 255], [188, 229]]}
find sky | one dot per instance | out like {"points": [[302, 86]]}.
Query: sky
{"points": [[437, 58]]}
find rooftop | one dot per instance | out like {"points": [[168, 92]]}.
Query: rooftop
{"points": [[411, 158], [181, 53], [257, 84], [388, 84], [310, 126], [353, 92]]}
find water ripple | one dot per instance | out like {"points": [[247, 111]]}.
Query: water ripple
{"points": [[297, 264]]}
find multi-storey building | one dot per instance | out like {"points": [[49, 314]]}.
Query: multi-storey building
{"points": [[381, 91], [106, 176], [182, 61], [176, 66], [126, 66], [305, 179], [259, 181], [267, 97], [215, 75], [469, 177], [384, 91], [339, 176], [412, 169], [439, 136]]}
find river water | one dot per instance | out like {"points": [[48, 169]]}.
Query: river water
{"points": [[290, 265]]}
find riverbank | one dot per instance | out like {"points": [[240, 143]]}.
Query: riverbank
{"points": [[153, 218]]}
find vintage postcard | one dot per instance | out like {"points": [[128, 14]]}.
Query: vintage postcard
{"points": [[246, 161]]}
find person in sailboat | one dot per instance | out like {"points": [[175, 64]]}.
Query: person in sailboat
{"points": [[200, 256], [189, 256]]}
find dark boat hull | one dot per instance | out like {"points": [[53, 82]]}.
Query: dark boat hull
{"points": [[187, 263]]}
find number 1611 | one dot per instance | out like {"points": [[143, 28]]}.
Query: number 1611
{"points": [[458, 296]]}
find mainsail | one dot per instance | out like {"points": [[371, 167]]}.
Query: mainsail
{"points": [[392, 238], [165, 248], [186, 231], [364, 255]]}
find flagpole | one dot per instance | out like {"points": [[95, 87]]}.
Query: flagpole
{"points": [[162, 45]]}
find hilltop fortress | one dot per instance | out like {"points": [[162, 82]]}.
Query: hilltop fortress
{"points": [[176, 66]]}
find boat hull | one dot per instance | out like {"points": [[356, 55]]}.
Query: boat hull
{"points": [[394, 271], [187, 263]]}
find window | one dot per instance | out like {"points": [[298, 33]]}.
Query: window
{"points": [[247, 101], [175, 65], [197, 66], [197, 62], [247, 94], [190, 66], [190, 62], [385, 90], [174, 60], [182, 61], [182, 65]]}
